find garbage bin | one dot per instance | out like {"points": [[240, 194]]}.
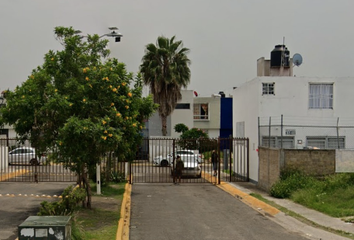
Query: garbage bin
{"points": [[45, 228]]}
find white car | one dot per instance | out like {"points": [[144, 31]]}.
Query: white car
{"points": [[191, 168], [25, 155], [186, 156]]}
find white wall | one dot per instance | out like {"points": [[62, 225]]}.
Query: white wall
{"points": [[291, 100], [184, 116], [245, 109]]}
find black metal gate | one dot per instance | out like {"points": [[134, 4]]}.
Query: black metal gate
{"points": [[19, 163], [157, 156]]}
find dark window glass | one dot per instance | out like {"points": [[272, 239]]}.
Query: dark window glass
{"points": [[183, 106]]}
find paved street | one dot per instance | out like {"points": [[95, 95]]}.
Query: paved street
{"points": [[15, 208], [197, 211]]}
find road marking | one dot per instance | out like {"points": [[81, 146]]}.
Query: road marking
{"points": [[29, 195]]}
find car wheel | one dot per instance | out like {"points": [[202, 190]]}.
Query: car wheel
{"points": [[34, 162], [164, 163]]}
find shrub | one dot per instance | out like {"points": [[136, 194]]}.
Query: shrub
{"points": [[181, 128], [290, 181], [71, 197], [118, 177]]}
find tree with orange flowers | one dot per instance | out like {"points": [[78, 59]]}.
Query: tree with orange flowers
{"points": [[80, 103]]}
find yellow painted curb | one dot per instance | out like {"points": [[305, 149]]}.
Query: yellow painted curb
{"points": [[13, 174], [253, 202], [124, 221]]}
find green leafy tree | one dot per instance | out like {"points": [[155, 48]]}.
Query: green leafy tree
{"points": [[80, 103], [191, 138], [165, 69], [180, 128]]}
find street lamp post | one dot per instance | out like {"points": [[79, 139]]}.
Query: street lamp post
{"points": [[117, 35]]}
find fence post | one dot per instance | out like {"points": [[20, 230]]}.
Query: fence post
{"points": [[281, 132], [338, 133]]}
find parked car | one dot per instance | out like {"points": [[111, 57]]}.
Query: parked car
{"points": [[25, 155], [191, 168], [186, 154]]}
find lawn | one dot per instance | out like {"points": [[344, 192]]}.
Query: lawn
{"points": [[101, 221]]}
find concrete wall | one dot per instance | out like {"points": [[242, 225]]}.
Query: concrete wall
{"points": [[245, 101], [269, 167], [344, 160], [312, 162]]}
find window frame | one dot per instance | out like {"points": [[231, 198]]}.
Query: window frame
{"points": [[327, 142], [319, 98], [198, 111], [268, 88]]}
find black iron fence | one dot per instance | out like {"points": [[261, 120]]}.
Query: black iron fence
{"points": [[154, 163], [158, 166], [19, 162]]}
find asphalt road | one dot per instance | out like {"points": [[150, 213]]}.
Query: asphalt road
{"points": [[15, 208], [197, 211]]}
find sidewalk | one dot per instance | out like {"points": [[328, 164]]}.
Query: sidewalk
{"points": [[312, 215]]}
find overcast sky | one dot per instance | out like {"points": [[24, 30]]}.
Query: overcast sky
{"points": [[226, 37]]}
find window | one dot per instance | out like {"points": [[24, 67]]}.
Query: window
{"points": [[326, 142], [268, 89], [183, 106], [278, 142], [201, 111], [321, 96]]}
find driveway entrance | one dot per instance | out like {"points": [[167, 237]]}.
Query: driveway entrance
{"points": [[160, 154]]}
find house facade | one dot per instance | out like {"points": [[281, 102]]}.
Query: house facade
{"points": [[211, 114], [302, 112]]}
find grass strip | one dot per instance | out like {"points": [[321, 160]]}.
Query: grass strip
{"points": [[301, 218]]}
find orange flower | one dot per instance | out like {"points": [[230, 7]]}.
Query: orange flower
{"points": [[104, 137], [134, 124], [127, 107], [84, 100], [105, 131], [104, 122], [110, 135], [87, 78], [123, 84], [130, 94], [119, 115], [114, 90], [112, 104]]}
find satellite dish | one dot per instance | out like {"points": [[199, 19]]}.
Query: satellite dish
{"points": [[297, 59]]}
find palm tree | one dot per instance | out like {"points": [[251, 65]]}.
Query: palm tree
{"points": [[165, 69]]}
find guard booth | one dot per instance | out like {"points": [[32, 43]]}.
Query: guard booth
{"points": [[45, 228]]}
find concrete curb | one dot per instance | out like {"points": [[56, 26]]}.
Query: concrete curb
{"points": [[253, 202], [124, 221], [11, 175]]}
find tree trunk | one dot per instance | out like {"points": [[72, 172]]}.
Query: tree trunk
{"points": [[164, 125], [88, 190]]}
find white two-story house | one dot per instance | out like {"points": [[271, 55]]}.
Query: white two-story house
{"points": [[303, 111]]}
